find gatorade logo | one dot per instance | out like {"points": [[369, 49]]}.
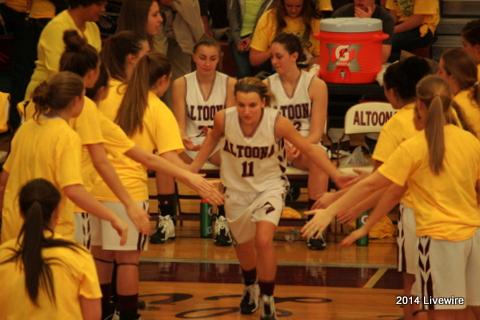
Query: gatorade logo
{"points": [[342, 53]]}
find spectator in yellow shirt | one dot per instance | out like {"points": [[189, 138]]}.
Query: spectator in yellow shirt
{"points": [[300, 17], [81, 16], [52, 277], [471, 42], [458, 69], [416, 22]]}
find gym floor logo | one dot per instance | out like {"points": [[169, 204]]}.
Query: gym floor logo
{"points": [[154, 300]]}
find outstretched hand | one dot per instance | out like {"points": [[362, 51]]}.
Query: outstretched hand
{"points": [[139, 218], [317, 224], [325, 200], [205, 189], [122, 229]]}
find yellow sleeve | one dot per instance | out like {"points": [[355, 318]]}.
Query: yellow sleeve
{"points": [[116, 141], [398, 166], [428, 7], [388, 141], [166, 133], [52, 45], [68, 160], [325, 5], [89, 285], [264, 32], [87, 124], [315, 50]]}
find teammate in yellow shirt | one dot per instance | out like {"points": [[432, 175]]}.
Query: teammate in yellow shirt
{"points": [[441, 166], [458, 69], [47, 147], [81, 16], [52, 277], [64, 290], [471, 41]]}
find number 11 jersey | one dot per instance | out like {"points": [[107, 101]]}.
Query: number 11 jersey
{"points": [[256, 163]]}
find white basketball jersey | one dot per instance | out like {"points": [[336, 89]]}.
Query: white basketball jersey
{"points": [[200, 112], [298, 108], [256, 163]]}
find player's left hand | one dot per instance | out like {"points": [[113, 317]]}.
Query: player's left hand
{"points": [[205, 189], [317, 224]]}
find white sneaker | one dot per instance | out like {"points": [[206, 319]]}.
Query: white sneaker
{"points": [[165, 231], [249, 303], [267, 308], [222, 233]]}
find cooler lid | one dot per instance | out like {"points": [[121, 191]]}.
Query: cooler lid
{"points": [[351, 25]]}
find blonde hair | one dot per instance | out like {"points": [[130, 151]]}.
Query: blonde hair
{"points": [[148, 70], [435, 94], [252, 84]]}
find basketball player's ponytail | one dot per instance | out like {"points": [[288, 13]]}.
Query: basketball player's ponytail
{"points": [[435, 94], [57, 93], [147, 72], [38, 200]]}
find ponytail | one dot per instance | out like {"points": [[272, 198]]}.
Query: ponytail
{"points": [[147, 72], [38, 200], [435, 94], [435, 134]]}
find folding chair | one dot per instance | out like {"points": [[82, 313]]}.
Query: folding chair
{"points": [[366, 117]]}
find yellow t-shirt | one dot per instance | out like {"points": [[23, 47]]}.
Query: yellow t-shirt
{"points": [[74, 276], [51, 46], [87, 125], [49, 149], [266, 30], [470, 110], [429, 8], [399, 128], [160, 134], [445, 205]]}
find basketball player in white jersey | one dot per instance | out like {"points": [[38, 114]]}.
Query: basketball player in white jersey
{"points": [[253, 165], [196, 98], [301, 97]]}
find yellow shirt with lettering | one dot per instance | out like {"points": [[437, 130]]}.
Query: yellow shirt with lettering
{"points": [[51, 46], [399, 128], [266, 30], [49, 149], [429, 8], [74, 276], [160, 134], [470, 110], [445, 205]]}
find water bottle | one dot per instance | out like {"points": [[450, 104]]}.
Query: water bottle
{"points": [[205, 219], [361, 220]]}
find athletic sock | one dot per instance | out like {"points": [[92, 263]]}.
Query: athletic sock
{"points": [[167, 205], [221, 210], [266, 288], [107, 305], [249, 276], [128, 307]]}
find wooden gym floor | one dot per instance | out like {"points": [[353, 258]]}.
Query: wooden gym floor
{"points": [[191, 278]]}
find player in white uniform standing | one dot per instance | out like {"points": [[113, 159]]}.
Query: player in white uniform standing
{"points": [[197, 96], [301, 97], [253, 165]]}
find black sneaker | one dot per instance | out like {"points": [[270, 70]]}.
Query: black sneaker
{"points": [[222, 233], [249, 303], [165, 231], [267, 308], [316, 243]]}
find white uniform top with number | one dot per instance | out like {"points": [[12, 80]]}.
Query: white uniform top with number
{"points": [[199, 111], [298, 107], [256, 163]]}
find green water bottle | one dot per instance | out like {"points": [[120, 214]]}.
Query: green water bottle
{"points": [[205, 219], [361, 220]]}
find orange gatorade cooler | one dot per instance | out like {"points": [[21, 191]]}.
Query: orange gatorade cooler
{"points": [[350, 49]]}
